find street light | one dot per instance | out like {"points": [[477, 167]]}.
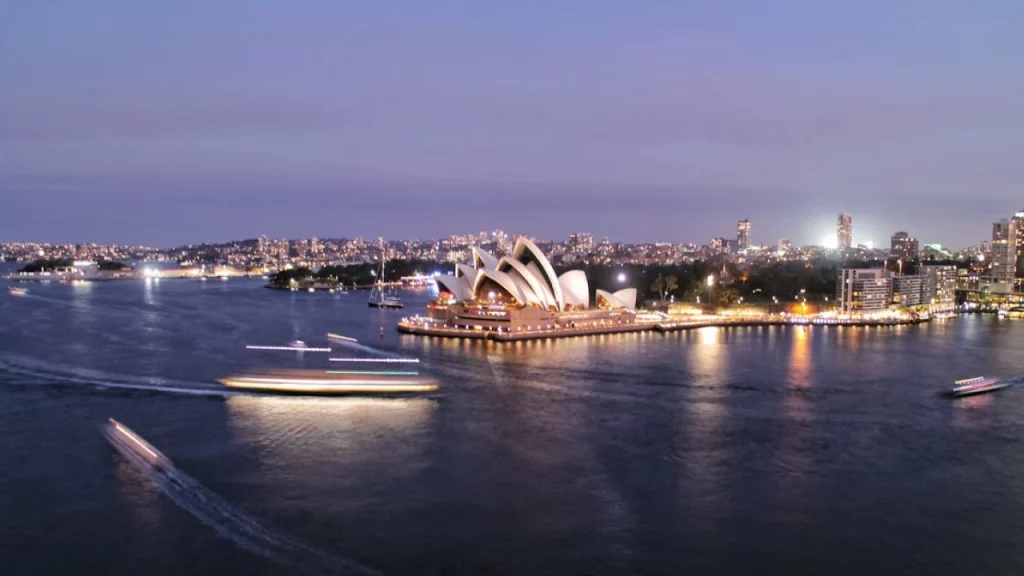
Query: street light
{"points": [[711, 286], [621, 277]]}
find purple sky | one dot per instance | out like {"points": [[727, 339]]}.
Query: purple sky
{"points": [[184, 121]]}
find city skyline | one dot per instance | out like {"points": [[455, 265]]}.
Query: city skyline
{"points": [[570, 236], [405, 120]]}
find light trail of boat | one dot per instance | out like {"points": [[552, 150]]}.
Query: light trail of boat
{"points": [[334, 336], [228, 521], [383, 360], [289, 348], [327, 385], [368, 349], [380, 372]]}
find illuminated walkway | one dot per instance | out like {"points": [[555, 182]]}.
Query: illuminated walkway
{"points": [[423, 326]]}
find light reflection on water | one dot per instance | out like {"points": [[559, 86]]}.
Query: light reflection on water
{"points": [[708, 356], [310, 437], [140, 498], [800, 358]]}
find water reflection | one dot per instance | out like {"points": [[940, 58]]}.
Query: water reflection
{"points": [[708, 357], [358, 439], [973, 412], [800, 358], [139, 495]]}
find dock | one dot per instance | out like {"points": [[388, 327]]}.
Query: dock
{"points": [[423, 327]]}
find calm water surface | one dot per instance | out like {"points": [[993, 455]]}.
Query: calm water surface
{"points": [[717, 451]]}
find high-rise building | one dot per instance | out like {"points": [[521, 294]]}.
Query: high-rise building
{"points": [[844, 231], [863, 290], [939, 289], [263, 246], [581, 243], [743, 234], [903, 247], [1004, 252], [782, 246], [1018, 229]]}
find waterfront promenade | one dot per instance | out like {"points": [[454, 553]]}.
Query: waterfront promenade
{"points": [[422, 326]]}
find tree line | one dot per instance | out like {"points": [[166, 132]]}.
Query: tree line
{"points": [[813, 280], [364, 274]]}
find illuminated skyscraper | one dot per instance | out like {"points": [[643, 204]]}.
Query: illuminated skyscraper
{"points": [[1018, 229], [1004, 252], [743, 234], [844, 231], [581, 243]]}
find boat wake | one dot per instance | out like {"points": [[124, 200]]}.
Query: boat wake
{"points": [[228, 521], [43, 372]]}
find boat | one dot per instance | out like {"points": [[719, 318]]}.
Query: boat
{"points": [[298, 344], [134, 448], [381, 297], [333, 382], [418, 281], [16, 291], [1015, 313], [978, 385]]}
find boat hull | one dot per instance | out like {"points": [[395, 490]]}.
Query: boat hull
{"points": [[319, 384], [978, 390], [385, 304], [134, 448]]}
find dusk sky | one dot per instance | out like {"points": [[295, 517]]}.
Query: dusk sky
{"points": [[173, 122]]}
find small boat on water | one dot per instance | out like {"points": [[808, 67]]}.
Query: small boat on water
{"points": [[133, 447], [16, 291], [381, 297], [978, 385]]}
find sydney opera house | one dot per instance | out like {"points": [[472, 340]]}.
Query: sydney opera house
{"points": [[522, 293]]}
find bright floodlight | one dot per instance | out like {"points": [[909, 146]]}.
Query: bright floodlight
{"points": [[830, 241], [622, 277], [711, 280]]}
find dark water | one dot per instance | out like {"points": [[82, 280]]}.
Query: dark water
{"points": [[750, 450]]}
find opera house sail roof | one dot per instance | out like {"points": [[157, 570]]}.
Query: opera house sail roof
{"points": [[527, 278]]}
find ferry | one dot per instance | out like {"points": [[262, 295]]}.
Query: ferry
{"points": [[16, 291], [1015, 313], [978, 385], [134, 448], [333, 382]]}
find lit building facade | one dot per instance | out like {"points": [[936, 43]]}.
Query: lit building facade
{"points": [[743, 234], [1004, 253], [844, 231], [1017, 223], [907, 289], [903, 247], [581, 243], [939, 288], [863, 290]]}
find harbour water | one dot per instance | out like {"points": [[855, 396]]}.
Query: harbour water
{"points": [[817, 450]]}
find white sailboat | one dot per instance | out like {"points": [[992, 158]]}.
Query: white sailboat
{"points": [[381, 297]]}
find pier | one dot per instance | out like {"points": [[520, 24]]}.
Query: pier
{"points": [[419, 325]]}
